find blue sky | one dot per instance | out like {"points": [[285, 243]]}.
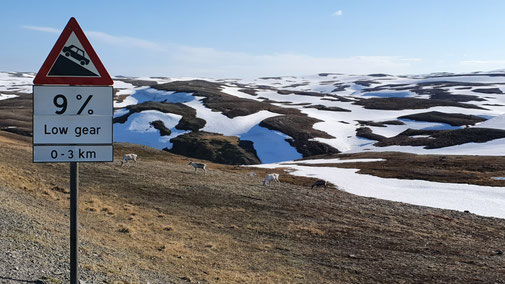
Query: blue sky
{"points": [[247, 39]]}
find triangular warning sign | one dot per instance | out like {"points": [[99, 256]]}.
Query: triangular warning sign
{"points": [[72, 61]]}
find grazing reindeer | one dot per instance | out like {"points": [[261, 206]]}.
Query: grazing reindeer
{"points": [[271, 177], [199, 166], [319, 183], [129, 157]]}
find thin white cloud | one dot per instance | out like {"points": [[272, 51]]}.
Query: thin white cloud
{"points": [[212, 62], [338, 13], [482, 62], [42, 29], [124, 41], [472, 65], [152, 58]]}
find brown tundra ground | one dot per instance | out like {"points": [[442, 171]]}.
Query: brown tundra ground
{"points": [[158, 222]]}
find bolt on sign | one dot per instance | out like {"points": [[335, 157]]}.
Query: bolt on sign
{"points": [[72, 103]]}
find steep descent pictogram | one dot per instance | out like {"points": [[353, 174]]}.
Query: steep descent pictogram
{"points": [[72, 61]]}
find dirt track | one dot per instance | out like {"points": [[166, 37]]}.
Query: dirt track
{"points": [[158, 222]]}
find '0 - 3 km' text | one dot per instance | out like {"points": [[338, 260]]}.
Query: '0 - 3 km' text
{"points": [[80, 154]]}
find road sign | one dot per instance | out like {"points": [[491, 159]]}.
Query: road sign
{"points": [[72, 103], [72, 61], [66, 119]]}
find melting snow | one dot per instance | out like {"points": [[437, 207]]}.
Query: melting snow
{"points": [[482, 200], [139, 130]]}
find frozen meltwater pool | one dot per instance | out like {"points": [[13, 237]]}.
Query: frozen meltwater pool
{"points": [[388, 94]]}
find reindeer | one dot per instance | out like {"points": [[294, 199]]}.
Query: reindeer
{"points": [[199, 166], [319, 183], [271, 177], [129, 157]]}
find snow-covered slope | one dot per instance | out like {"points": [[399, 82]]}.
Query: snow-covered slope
{"points": [[344, 105], [481, 91]]}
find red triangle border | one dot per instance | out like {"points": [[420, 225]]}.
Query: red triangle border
{"points": [[43, 79]]}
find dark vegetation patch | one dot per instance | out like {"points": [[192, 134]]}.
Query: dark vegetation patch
{"points": [[270, 78], [338, 98], [455, 98], [454, 119], [215, 148], [313, 94], [441, 94], [436, 90], [328, 74], [366, 83], [408, 103], [443, 138], [16, 114], [488, 91], [297, 85], [380, 123], [299, 104], [301, 93], [330, 82], [448, 84], [215, 99], [365, 132], [249, 91], [159, 125], [299, 127], [379, 75], [438, 168], [328, 108], [340, 87], [189, 121]]}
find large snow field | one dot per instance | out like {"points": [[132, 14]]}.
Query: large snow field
{"points": [[481, 200], [343, 125], [269, 145]]}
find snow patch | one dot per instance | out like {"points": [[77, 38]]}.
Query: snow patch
{"points": [[481, 200], [138, 129]]}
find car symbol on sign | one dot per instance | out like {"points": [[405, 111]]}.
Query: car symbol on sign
{"points": [[76, 53]]}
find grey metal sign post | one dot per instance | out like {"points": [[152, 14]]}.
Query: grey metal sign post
{"points": [[74, 221]]}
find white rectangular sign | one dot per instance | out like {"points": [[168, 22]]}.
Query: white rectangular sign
{"points": [[50, 129], [78, 153], [72, 123], [72, 115], [63, 101]]}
